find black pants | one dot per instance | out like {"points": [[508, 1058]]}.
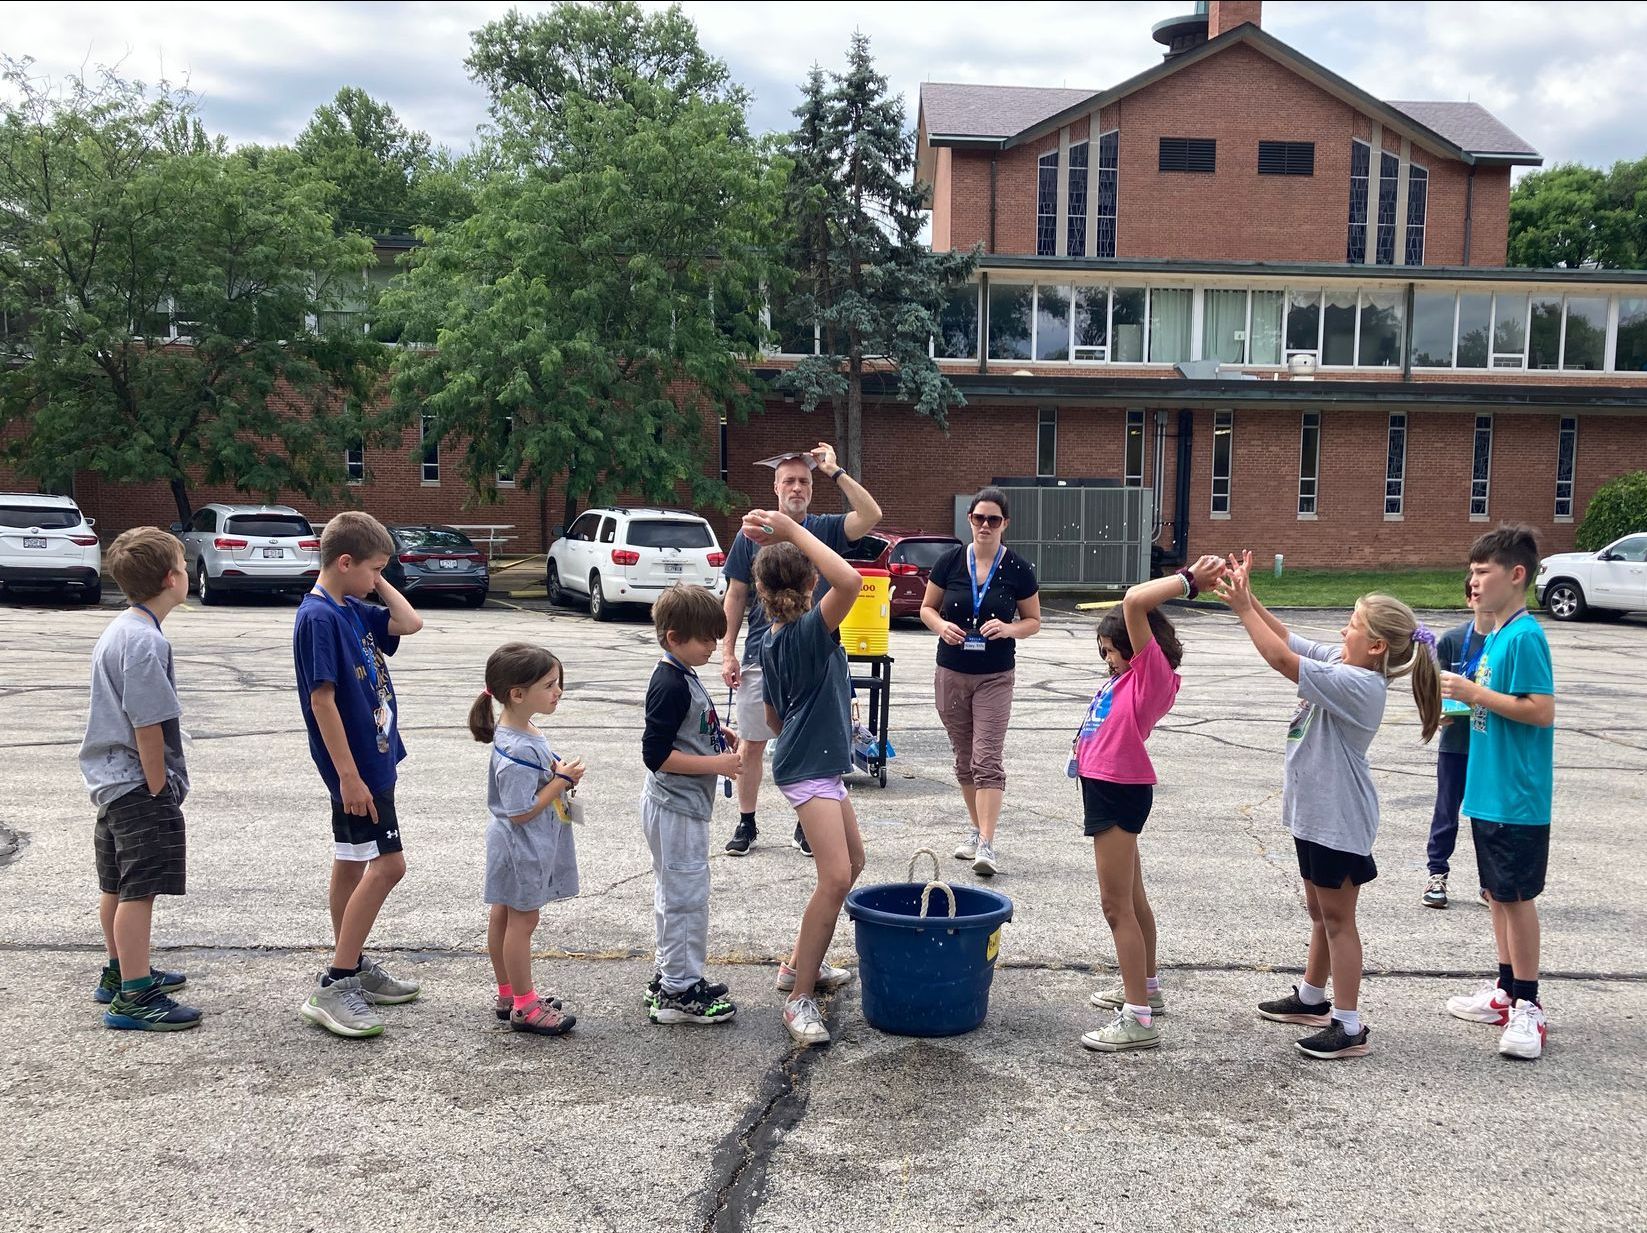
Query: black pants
{"points": [[1449, 799]]}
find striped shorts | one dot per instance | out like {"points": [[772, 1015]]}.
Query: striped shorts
{"points": [[140, 845]]}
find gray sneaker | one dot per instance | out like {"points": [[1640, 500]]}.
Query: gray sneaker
{"points": [[381, 989], [984, 863], [341, 1009], [967, 849], [1114, 999], [1123, 1033]]}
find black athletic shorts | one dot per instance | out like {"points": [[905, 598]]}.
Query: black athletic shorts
{"points": [[358, 838], [140, 846], [1328, 867], [1105, 804], [1511, 859]]}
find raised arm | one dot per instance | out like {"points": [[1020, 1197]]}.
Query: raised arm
{"points": [[771, 526], [864, 513], [1144, 598], [403, 618], [1268, 635]]}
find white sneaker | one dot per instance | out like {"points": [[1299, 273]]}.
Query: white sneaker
{"points": [[804, 1023], [1488, 1004], [829, 977], [968, 847], [984, 863], [1524, 1037]]}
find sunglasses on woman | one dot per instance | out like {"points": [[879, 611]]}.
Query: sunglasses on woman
{"points": [[986, 520]]}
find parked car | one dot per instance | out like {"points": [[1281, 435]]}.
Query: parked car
{"points": [[617, 556], [47, 544], [1614, 580], [435, 560], [908, 556], [266, 548]]}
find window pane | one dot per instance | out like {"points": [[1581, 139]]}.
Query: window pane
{"points": [[1046, 442], [1076, 236], [1395, 464], [1586, 345], [958, 327], [1265, 346], [1128, 344], [670, 533], [1390, 174], [794, 334], [1009, 309], [1309, 461], [1360, 157], [272, 525], [1225, 325], [1474, 320], [1380, 329], [1223, 436], [1091, 318], [1632, 336], [1433, 329], [1544, 334], [1303, 320], [1109, 146], [1046, 205], [1135, 448], [1338, 342], [1509, 324], [1052, 323], [1169, 325]]}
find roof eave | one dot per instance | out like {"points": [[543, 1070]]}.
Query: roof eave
{"points": [[1308, 269]]}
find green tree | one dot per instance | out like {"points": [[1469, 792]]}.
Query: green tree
{"points": [[1618, 508], [160, 292], [598, 311], [874, 289], [1573, 216]]}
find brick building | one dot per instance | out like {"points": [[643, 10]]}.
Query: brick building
{"points": [[1236, 280]]}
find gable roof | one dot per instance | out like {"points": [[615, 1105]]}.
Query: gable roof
{"points": [[952, 109]]}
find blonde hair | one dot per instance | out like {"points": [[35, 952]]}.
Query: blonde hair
{"points": [[140, 559], [1406, 653], [354, 533], [784, 580]]}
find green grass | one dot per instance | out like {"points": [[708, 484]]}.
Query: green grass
{"points": [[1331, 588]]}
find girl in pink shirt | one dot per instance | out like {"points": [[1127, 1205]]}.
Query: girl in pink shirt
{"points": [[1118, 787]]}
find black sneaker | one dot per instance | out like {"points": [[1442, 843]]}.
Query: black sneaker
{"points": [[149, 1011], [654, 987], [742, 839], [108, 984], [1335, 1042], [1292, 1009], [799, 841], [694, 1005]]}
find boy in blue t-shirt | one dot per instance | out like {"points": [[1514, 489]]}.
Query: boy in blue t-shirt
{"points": [[340, 645], [1509, 782]]}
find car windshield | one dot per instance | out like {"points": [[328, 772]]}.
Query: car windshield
{"points": [[268, 525], [438, 538], [923, 553], [46, 517], [869, 548], [670, 533]]}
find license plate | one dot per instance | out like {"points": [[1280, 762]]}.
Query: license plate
{"points": [[672, 567], [451, 564], [34, 541], [271, 553]]}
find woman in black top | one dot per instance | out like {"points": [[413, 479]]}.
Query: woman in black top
{"points": [[981, 598]]}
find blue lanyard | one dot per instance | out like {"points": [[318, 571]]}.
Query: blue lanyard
{"points": [[1492, 637], [1466, 661], [715, 736], [542, 770], [144, 609], [978, 592], [367, 659]]}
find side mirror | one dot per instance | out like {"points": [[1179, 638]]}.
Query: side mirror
{"points": [[177, 528], [91, 522], [1605, 555]]}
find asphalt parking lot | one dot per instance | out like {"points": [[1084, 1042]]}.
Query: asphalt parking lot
{"points": [[257, 1121]]}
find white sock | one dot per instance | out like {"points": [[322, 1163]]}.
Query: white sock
{"points": [[1152, 985], [1311, 995], [1143, 1014], [1351, 1019]]}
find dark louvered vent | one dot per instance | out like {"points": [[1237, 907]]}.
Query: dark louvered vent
{"points": [[1286, 158], [1188, 154]]}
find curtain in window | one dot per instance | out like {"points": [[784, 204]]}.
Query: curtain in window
{"points": [[1169, 325], [1225, 326]]}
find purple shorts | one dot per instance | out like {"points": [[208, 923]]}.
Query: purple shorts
{"points": [[798, 794]]}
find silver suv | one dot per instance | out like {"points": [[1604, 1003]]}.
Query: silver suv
{"points": [[46, 542], [267, 548]]}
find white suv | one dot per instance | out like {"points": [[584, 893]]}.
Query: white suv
{"points": [[617, 556], [45, 542], [268, 548], [1613, 580]]}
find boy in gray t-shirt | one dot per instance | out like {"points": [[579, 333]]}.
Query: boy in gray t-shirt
{"points": [[132, 762]]}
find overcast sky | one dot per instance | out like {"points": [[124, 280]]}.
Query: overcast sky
{"points": [[1571, 77]]}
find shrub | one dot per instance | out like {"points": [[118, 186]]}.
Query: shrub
{"points": [[1618, 508]]}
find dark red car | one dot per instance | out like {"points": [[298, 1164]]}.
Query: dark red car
{"points": [[908, 556]]}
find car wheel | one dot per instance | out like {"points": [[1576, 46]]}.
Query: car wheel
{"points": [[557, 593], [1565, 601], [598, 607], [475, 599], [207, 595], [93, 594]]}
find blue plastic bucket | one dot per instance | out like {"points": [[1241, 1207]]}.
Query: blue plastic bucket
{"points": [[925, 959]]}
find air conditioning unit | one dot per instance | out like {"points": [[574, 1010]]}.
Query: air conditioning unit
{"points": [[1091, 353], [1301, 365]]}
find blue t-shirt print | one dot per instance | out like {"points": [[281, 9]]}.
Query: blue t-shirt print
{"points": [[1098, 711], [346, 645]]}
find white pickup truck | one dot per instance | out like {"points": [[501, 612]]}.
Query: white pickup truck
{"points": [[1614, 580]]}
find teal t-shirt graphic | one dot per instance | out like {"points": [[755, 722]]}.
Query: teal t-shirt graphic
{"points": [[1511, 773]]}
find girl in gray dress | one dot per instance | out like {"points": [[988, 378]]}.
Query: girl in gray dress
{"points": [[531, 857]]}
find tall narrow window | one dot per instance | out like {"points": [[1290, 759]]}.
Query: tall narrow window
{"points": [[1046, 205], [726, 469], [1076, 233], [354, 464], [1223, 448], [1360, 161], [1134, 461], [1109, 161], [1395, 467], [1389, 179], [431, 449], [1309, 464], [1046, 442], [1418, 200], [506, 475], [1566, 456], [1481, 466]]}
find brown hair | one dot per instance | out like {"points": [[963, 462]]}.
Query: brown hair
{"points": [[1393, 623], [1114, 627], [140, 559], [354, 533], [993, 496], [688, 612], [514, 665], [1511, 544], [784, 580]]}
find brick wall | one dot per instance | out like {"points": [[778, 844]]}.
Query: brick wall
{"points": [[1225, 15]]}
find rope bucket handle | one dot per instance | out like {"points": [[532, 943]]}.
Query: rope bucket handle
{"points": [[926, 895], [937, 867]]}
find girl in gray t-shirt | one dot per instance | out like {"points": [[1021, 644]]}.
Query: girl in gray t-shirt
{"points": [[1328, 801]]}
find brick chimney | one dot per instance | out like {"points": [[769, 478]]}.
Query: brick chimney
{"points": [[1225, 15]]}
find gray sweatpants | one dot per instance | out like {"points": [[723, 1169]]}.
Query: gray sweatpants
{"points": [[680, 896]]}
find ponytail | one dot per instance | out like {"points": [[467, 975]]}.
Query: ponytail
{"points": [[514, 665], [1409, 651], [483, 724]]}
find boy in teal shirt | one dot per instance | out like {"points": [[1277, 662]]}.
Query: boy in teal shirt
{"points": [[1509, 783]]}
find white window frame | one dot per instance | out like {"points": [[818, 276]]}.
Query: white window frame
{"points": [[1046, 417], [1566, 430], [1483, 423], [430, 472], [1309, 487], [1397, 479], [1225, 419], [354, 464], [506, 479]]}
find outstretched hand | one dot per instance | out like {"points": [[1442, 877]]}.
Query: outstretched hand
{"points": [[1207, 571], [1235, 586], [767, 526]]}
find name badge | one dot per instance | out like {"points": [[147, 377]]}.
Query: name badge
{"points": [[975, 642]]}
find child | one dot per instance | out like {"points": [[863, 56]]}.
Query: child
{"points": [[348, 703], [132, 762], [684, 750], [531, 857], [1117, 789], [1327, 798], [1460, 650], [807, 690], [1509, 783]]}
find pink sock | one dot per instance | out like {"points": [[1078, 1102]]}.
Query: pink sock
{"points": [[525, 1001], [505, 991]]}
